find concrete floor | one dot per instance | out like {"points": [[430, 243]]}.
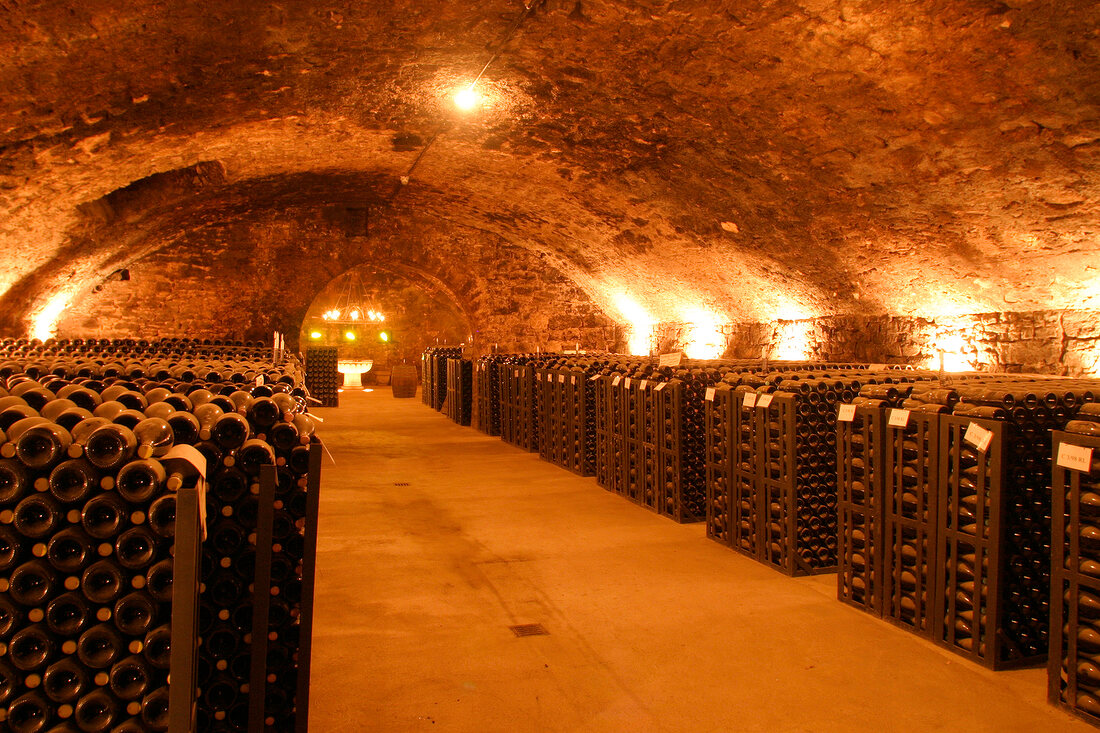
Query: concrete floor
{"points": [[434, 539]]}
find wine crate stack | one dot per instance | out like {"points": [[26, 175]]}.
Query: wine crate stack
{"points": [[322, 378], [434, 373], [100, 455], [487, 394], [1074, 665], [459, 403]]}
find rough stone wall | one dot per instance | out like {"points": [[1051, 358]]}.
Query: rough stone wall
{"points": [[1053, 342], [248, 277]]}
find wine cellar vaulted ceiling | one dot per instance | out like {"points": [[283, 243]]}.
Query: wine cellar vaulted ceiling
{"points": [[755, 161]]}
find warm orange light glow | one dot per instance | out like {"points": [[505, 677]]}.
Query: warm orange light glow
{"points": [[703, 337], [466, 99], [639, 324], [44, 324], [792, 340]]}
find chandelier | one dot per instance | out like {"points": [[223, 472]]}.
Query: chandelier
{"points": [[353, 306]]}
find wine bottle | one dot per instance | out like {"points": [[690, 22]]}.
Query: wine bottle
{"points": [[29, 713], [130, 678], [31, 647], [68, 614], [110, 446], [263, 413], [15, 431], [65, 681], [10, 681], [160, 410], [157, 647], [99, 647], [253, 454], [135, 613], [138, 481], [104, 515], [135, 548], [36, 516], [162, 516], [73, 480], [13, 481], [230, 431], [69, 550], [185, 428], [96, 712], [80, 433], [158, 581], [154, 710], [207, 414], [102, 582], [154, 436], [284, 436], [32, 583]]}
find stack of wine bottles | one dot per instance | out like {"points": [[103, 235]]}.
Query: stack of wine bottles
{"points": [[459, 403], [567, 421], [87, 473], [519, 401], [1074, 666], [861, 505], [87, 529], [322, 378], [994, 512], [487, 393], [434, 373]]}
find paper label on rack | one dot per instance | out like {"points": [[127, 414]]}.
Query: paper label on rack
{"points": [[515, 372], [978, 436], [710, 394], [670, 360], [615, 381], [750, 400], [877, 367], [847, 413], [561, 379], [626, 383], [764, 400], [659, 387], [643, 384], [898, 418], [573, 379], [594, 377], [1074, 457]]}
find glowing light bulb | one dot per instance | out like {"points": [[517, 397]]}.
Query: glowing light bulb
{"points": [[466, 99], [350, 335], [354, 315], [384, 336], [315, 334]]}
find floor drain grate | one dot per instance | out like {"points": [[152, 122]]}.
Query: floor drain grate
{"points": [[529, 630], [400, 483]]}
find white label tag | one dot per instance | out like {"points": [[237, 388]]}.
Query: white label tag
{"points": [[615, 381], [877, 367], [561, 379], [1074, 457], [626, 383], [573, 379], [515, 372], [710, 394], [259, 380], [750, 400], [594, 377], [670, 360], [764, 400], [847, 413], [659, 387], [898, 418], [978, 436], [643, 384]]}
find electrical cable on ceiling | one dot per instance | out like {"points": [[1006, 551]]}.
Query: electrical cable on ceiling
{"points": [[529, 7]]}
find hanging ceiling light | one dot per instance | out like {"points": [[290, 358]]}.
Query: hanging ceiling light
{"points": [[353, 305]]}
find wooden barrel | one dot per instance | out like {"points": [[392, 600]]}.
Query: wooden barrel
{"points": [[403, 380]]}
